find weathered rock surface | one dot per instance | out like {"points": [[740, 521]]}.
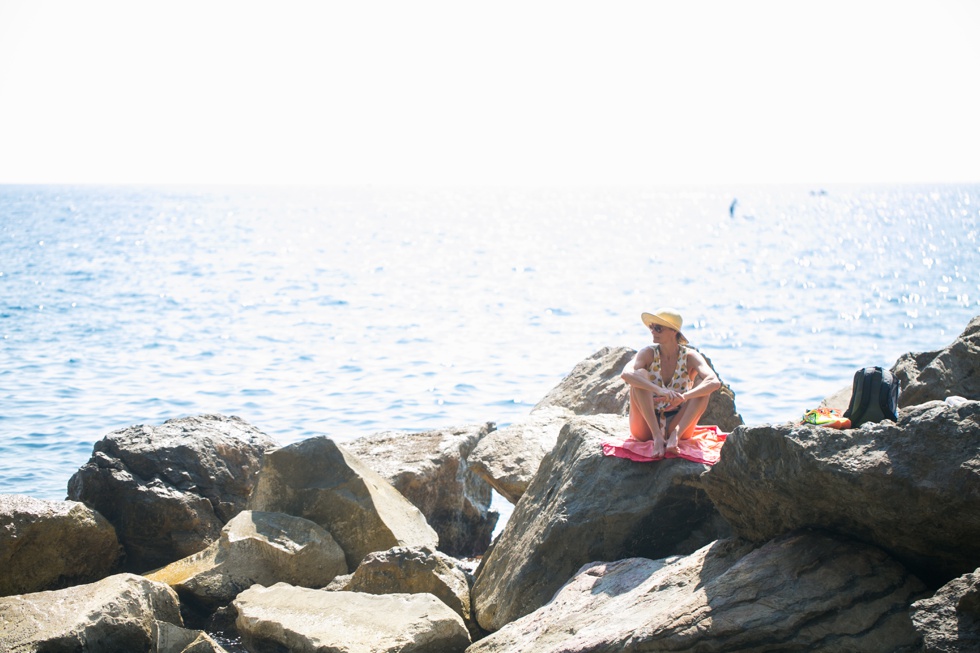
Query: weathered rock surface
{"points": [[48, 545], [911, 488], [508, 458], [321, 481], [594, 386], [950, 621], [421, 570], [802, 592], [169, 489], [299, 620], [582, 507], [430, 469], [839, 400], [255, 547], [169, 638], [721, 409], [117, 613], [954, 370]]}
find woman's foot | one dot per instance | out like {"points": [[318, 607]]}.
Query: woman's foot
{"points": [[658, 448], [672, 447]]}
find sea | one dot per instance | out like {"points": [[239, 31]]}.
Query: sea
{"points": [[349, 311]]}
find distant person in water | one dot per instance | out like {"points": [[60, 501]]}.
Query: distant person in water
{"points": [[667, 411]]}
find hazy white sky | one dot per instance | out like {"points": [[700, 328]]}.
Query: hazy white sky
{"points": [[499, 92]]}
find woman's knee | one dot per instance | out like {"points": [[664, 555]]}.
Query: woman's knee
{"points": [[689, 416], [698, 405]]}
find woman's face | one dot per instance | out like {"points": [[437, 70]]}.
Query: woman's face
{"points": [[662, 334]]}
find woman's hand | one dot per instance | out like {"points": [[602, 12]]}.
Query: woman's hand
{"points": [[674, 400]]}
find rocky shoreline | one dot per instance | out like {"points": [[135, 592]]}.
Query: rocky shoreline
{"points": [[202, 534]]}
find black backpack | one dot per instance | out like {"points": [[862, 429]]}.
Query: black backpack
{"points": [[874, 397]]}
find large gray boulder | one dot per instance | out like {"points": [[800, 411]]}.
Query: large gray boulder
{"points": [[169, 489], [911, 488], [949, 621], [509, 457], [299, 620], [582, 507], [419, 570], [48, 545], [594, 386], [954, 370], [255, 547], [118, 613], [430, 469], [319, 480], [803, 592]]}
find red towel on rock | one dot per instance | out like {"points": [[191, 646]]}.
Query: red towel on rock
{"points": [[703, 447]]}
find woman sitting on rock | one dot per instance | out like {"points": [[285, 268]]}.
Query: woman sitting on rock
{"points": [[667, 411]]}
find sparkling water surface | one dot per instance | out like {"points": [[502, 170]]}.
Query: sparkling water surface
{"points": [[351, 311]]}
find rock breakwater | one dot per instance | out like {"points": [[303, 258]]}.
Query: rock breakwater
{"points": [[800, 538]]}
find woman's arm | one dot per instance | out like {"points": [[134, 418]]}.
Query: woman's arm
{"points": [[637, 374], [708, 380]]}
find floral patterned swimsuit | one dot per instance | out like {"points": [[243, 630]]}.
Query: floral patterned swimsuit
{"points": [[679, 382]]}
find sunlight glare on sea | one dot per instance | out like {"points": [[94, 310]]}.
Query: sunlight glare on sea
{"points": [[345, 312]]}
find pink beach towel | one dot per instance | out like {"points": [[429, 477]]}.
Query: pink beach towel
{"points": [[703, 447]]}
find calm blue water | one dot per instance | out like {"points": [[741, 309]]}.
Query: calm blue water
{"points": [[347, 312]]}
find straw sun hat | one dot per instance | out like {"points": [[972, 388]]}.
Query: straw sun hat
{"points": [[666, 317]]}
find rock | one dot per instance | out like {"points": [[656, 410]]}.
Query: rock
{"points": [[339, 583], [419, 570], [48, 545], [936, 375], [508, 458], [302, 620], [221, 626], [594, 386], [803, 592], [169, 489], [582, 507], [321, 481], [255, 547], [839, 400], [911, 488], [721, 409], [430, 469], [950, 621], [117, 613], [174, 639]]}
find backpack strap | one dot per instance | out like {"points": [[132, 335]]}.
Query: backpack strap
{"points": [[857, 395], [888, 395]]}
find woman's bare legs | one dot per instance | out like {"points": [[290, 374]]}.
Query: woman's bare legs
{"points": [[644, 423], [681, 425]]}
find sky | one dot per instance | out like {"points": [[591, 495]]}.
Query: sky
{"points": [[489, 93]]}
